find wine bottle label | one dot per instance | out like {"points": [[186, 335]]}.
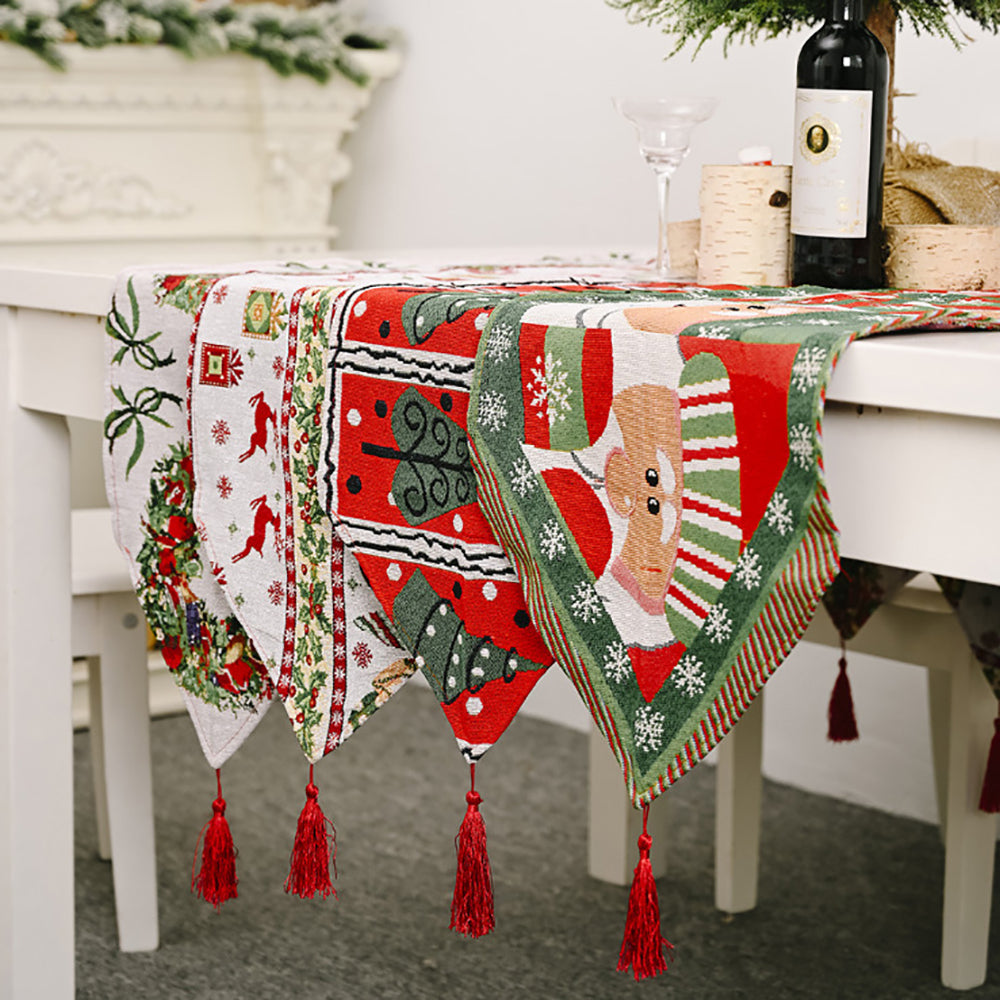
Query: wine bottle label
{"points": [[830, 162]]}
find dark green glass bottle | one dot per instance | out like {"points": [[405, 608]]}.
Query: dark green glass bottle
{"points": [[839, 153]]}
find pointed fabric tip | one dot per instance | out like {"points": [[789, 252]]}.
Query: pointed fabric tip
{"points": [[472, 904], [842, 727], [216, 881], [309, 870], [643, 944], [989, 798]]}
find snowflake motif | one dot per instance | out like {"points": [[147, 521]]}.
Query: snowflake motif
{"points": [[338, 602], [713, 332], [493, 411], [585, 602], [278, 367], [800, 444], [219, 294], [500, 341], [689, 676], [338, 697], [362, 655], [718, 624], [522, 478], [778, 516], [648, 728], [340, 673], [220, 432], [337, 578], [808, 367], [225, 487], [275, 592], [748, 569], [551, 540], [549, 391], [617, 664]]}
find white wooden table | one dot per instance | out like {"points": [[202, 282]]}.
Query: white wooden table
{"points": [[912, 434]]}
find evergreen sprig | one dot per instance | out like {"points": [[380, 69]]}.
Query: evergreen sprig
{"points": [[316, 41], [695, 21]]}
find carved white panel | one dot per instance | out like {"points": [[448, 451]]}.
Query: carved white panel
{"points": [[140, 148], [37, 183]]}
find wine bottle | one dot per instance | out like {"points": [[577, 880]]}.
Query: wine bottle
{"points": [[839, 153]]}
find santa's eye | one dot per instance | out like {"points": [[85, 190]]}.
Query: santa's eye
{"points": [[653, 505], [652, 477]]}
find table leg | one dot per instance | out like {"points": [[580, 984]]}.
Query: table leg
{"points": [[738, 786], [36, 750], [614, 825], [128, 778], [970, 835]]}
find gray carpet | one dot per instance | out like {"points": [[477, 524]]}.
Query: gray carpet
{"points": [[849, 901]]}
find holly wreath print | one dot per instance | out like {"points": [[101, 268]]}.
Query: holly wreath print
{"points": [[210, 657]]}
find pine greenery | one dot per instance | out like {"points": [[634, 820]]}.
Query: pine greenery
{"points": [[696, 21], [317, 41]]}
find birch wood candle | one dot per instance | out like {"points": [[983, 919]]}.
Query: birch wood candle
{"points": [[744, 225], [943, 257]]}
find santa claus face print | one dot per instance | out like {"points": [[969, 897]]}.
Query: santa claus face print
{"points": [[644, 483]]}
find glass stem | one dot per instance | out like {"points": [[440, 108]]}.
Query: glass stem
{"points": [[662, 250]]}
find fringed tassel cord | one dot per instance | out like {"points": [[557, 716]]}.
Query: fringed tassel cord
{"points": [[472, 904], [309, 868], [842, 725], [643, 944], [216, 881], [989, 798]]}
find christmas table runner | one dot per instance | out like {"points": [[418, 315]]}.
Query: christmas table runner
{"points": [[150, 485], [256, 436], [326, 477], [652, 464], [858, 592]]}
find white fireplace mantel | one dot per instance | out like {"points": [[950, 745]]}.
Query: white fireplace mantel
{"points": [[137, 153]]}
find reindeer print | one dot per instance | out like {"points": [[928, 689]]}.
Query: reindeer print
{"points": [[263, 517], [262, 416]]}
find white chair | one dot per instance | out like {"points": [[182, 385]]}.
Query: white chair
{"points": [[109, 630], [917, 627]]}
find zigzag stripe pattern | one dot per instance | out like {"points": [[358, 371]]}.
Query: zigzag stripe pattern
{"points": [[783, 619]]}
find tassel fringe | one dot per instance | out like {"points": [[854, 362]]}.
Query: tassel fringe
{"points": [[309, 868], [643, 944], [216, 881], [842, 725], [472, 903], [989, 799]]}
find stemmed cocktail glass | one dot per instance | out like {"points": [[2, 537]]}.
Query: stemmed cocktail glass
{"points": [[664, 126]]}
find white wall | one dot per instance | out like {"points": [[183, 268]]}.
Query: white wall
{"points": [[500, 132]]}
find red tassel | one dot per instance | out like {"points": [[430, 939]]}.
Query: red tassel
{"points": [[643, 943], [216, 882], [989, 799], [842, 726], [472, 904], [309, 872]]}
